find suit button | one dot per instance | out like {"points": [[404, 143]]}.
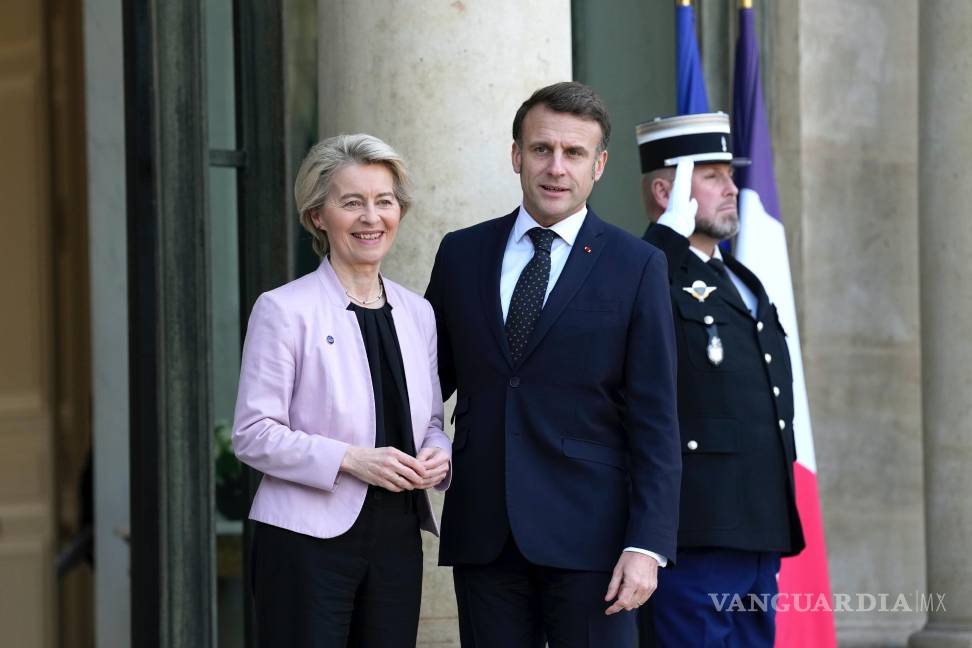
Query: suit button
{"points": [[782, 424], [776, 391], [692, 445], [759, 326], [768, 358], [515, 381], [708, 319]]}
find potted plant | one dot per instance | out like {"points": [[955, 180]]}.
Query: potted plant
{"points": [[231, 499]]}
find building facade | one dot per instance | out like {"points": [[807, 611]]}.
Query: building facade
{"points": [[148, 152]]}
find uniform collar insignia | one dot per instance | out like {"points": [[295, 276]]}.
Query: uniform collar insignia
{"points": [[699, 290]]}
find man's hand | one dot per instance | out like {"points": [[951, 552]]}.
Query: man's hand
{"points": [[436, 464], [633, 582], [680, 215]]}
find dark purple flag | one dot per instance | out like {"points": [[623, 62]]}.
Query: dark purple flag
{"points": [[750, 130]]}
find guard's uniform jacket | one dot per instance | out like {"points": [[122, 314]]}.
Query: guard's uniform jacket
{"points": [[735, 407]]}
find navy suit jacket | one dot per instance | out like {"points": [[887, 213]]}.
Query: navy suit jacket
{"points": [[575, 448]]}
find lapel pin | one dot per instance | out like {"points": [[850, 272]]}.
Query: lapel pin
{"points": [[587, 249], [330, 339], [699, 290]]}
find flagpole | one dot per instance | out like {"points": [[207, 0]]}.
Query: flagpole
{"points": [[745, 4], [683, 3]]}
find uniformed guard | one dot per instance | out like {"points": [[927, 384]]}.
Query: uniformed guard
{"points": [[738, 513]]}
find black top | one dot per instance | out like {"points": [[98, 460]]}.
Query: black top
{"points": [[393, 423]]}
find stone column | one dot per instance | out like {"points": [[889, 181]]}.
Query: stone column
{"points": [[847, 163], [440, 82], [946, 314]]}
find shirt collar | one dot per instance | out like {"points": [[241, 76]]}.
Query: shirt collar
{"points": [[705, 257], [567, 229]]}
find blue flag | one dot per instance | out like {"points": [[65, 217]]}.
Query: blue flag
{"points": [[689, 82]]}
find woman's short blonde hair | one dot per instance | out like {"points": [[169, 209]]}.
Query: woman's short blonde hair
{"points": [[329, 156]]}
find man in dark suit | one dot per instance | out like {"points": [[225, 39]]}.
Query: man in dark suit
{"points": [[735, 403], [556, 330]]}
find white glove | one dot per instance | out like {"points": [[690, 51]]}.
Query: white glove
{"points": [[680, 215]]}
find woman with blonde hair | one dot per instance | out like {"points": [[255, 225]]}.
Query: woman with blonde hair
{"points": [[339, 407]]}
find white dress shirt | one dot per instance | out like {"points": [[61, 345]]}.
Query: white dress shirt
{"points": [[519, 251], [748, 297]]}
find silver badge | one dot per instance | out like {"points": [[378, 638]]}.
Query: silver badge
{"points": [[699, 290], [724, 148], [714, 350]]}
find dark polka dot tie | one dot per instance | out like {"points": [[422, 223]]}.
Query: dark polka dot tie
{"points": [[527, 300]]}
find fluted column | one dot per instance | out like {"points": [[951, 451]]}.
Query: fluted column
{"points": [[440, 82], [946, 314]]}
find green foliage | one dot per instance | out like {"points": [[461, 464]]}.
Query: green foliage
{"points": [[228, 467], [231, 499]]}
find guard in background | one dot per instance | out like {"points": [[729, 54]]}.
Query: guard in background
{"points": [[738, 512]]}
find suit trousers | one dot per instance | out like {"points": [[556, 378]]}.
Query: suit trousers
{"points": [[713, 598], [512, 603], [361, 589]]}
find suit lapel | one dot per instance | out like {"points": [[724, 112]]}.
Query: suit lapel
{"points": [[413, 362], [492, 267], [752, 282], [578, 266]]}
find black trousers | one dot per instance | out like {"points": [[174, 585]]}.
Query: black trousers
{"points": [[512, 603], [361, 589]]}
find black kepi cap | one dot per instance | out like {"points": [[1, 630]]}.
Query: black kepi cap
{"points": [[702, 137]]}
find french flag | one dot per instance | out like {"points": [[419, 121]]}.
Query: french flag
{"points": [[761, 245]]}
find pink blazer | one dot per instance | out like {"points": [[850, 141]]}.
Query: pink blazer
{"points": [[305, 395]]}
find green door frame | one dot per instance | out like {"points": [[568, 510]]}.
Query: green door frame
{"points": [[167, 158], [172, 545]]}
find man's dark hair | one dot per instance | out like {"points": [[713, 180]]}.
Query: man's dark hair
{"points": [[567, 97]]}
